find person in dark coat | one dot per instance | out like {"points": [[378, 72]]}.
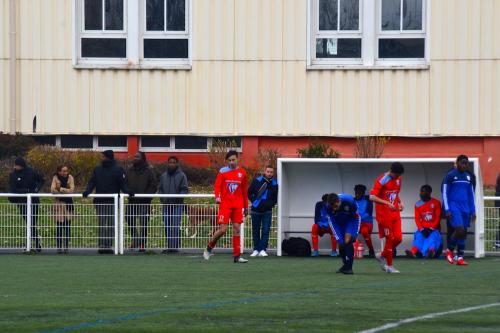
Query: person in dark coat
{"points": [[173, 181], [26, 180], [107, 178], [140, 179], [263, 193]]}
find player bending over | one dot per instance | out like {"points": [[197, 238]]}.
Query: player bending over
{"points": [[231, 188], [365, 210], [344, 221], [385, 194], [459, 207], [427, 239], [321, 226]]}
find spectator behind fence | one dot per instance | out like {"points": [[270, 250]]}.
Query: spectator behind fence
{"points": [[63, 183], [263, 193], [26, 180], [140, 179], [107, 178], [427, 239], [497, 205], [173, 181]]}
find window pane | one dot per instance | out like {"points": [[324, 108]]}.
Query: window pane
{"points": [[114, 14], [190, 142], [328, 14], [338, 48], [391, 14], [412, 14], [155, 13], [118, 141], [104, 48], [402, 48], [230, 141], [77, 141], [47, 140], [349, 14], [165, 48], [153, 141], [176, 15], [93, 14]]}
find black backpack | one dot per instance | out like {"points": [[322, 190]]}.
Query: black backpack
{"points": [[296, 247]]}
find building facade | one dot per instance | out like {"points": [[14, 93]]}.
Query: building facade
{"points": [[169, 76]]}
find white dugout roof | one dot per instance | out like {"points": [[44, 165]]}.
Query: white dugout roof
{"points": [[303, 181]]}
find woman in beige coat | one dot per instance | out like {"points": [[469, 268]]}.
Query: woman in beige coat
{"points": [[63, 183]]}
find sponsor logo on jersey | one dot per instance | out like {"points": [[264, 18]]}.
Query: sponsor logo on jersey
{"points": [[232, 187], [428, 216]]}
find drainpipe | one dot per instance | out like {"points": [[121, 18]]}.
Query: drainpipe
{"points": [[12, 66]]}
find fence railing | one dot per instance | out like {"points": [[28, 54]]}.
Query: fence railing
{"points": [[492, 225], [114, 223]]}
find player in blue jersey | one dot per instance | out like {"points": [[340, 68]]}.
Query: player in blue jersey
{"points": [[365, 210], [321, 227], [459, 207], [344, 221]]}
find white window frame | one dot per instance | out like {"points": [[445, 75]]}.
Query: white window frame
{"points": [[370, 26], [95, 145], [134, 24]]}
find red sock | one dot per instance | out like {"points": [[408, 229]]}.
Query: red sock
{"points": [[211, 244], [314, 236], [414, 250], [388, 251], [236, 246], [334, 242], [368, 241]]}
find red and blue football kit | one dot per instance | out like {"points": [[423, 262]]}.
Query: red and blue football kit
{"points": [[427, 216], [231, 187], [389, 221]]}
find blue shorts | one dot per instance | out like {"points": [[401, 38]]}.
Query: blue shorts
{"points": [[460, 219], [343, 227]]}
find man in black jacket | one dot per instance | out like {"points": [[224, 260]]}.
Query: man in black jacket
{"points": [[263, 193], [26, 180], [107, 178]]}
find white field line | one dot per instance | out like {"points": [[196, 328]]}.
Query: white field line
{"points": [[427, 316]]}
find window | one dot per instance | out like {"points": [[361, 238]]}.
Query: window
{"points": [[367, 33], [190, 143], [112, 141], [155, 143], [132, 34], [77, 141], [46, 140], [230, 141]]}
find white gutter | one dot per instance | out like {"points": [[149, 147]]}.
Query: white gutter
{"points": [[12, 66]]}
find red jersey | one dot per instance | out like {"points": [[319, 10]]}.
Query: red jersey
{"points": [[428, 214], [231, 186], [387, 189]]}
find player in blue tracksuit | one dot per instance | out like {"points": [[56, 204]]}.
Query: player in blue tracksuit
{"points": [[345, 222], [459, 207]]}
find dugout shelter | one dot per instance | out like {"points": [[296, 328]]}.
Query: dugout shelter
{"points": [[303, 181]]}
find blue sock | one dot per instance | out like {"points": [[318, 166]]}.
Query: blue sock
{"points": [[461, 247], [349, 253]]}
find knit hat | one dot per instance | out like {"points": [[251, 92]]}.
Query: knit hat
{"points": [[109, 154], [20, 161]]}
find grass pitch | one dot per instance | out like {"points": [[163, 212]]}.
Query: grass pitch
{"points": [[184, 293]]}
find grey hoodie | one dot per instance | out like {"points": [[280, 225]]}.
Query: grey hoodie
{"points": [[173, 184]]}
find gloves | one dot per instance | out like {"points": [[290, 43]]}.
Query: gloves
{"points": [[426, 232], [85, 194]]}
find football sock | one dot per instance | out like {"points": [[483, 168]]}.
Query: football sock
{"points": [[342, 252], [236, 246], [452, 244], [334, 242], [388, 251], [349, 255], [461, 247]]}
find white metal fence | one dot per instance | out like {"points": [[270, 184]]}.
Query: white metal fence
{"points": [[492, 225], [114, 224]]}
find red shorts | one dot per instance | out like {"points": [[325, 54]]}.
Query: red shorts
{"points": [[229, 213], [389, 226]]}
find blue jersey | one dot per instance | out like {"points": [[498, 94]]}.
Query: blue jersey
{"points": [[347, 211], [458, 192], [321, 215], [365, 208]]}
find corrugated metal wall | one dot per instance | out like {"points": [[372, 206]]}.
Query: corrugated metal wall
{"points": [[249, 77]]}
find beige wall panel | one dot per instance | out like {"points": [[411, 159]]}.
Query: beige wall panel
{"points": [[4, 96], [258, 29], [455, 95], [56, 29], [294, 118], [4, 29], [490, 97], [318, 103], [29, 28], [490, 29], [294, 29], [455, 29], [213, 29]]}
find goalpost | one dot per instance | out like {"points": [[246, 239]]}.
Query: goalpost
{"points": [[303, 181]]}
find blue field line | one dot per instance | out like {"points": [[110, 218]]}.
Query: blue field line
{"points": [[212, 305], [389, 283]]}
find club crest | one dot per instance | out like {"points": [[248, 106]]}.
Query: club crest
{"points": [[232, 187]]}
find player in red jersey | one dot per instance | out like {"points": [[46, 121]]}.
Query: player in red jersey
{"points": [[231, 188], [385, 194]]}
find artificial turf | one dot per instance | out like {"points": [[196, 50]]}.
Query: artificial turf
{"points": [[184, 293]]}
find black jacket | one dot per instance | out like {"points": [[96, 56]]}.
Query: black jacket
{"points": [[268, 197], [25, 181], [141, 179], [107, 178]]}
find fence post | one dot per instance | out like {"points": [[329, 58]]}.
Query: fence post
{"points": [[121, 226], [28, 223], [242, 234], [115, 200]]}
